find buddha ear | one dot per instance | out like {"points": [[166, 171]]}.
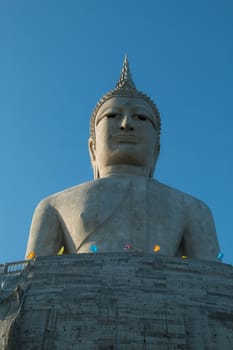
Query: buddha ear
{"points": [[156, 152], [91, 148], [156, 156]]}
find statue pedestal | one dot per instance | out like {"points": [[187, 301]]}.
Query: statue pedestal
{"points": [[116, 301]]}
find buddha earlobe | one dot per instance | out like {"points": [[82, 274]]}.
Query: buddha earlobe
{"points": [[151, 172], [96, 172], [156, 152], [91, 148]]}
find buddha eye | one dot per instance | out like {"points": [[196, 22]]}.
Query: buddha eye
{"points": [[111, 115], [107, 115], [141, 117]]}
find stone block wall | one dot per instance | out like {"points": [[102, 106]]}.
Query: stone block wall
{"points": [[117, 301]]}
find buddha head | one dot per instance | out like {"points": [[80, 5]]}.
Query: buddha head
{"points": [[125, 128]]}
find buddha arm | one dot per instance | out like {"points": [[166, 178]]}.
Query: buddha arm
{"points": [[46, 234], [200, 238]]}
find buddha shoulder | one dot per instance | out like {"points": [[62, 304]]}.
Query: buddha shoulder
{"points": [[178, 199], [87, 192]]}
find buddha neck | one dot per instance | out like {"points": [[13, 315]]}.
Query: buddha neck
{"points": [[125, 170]]}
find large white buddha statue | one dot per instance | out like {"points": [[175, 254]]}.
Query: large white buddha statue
{"points": [[124, 208]]}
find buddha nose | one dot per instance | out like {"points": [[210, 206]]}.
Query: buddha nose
{"points": [[126, 123]]}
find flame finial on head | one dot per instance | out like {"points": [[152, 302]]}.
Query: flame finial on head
{"points": [[125, 77], [125, 87]]}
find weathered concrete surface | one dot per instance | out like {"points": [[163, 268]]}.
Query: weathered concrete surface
{"points": [[117, 301]]}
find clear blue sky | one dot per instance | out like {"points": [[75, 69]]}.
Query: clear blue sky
{"points": [[58, 58]]}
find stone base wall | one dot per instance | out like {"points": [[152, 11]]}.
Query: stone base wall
{"points": [[117, 301]]}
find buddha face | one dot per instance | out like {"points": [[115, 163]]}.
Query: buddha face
{"points": [[125, 133]]}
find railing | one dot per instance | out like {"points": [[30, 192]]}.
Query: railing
{"points": [[14, 267]]}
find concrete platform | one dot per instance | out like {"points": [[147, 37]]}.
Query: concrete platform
{"points": [[116, 301]]}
